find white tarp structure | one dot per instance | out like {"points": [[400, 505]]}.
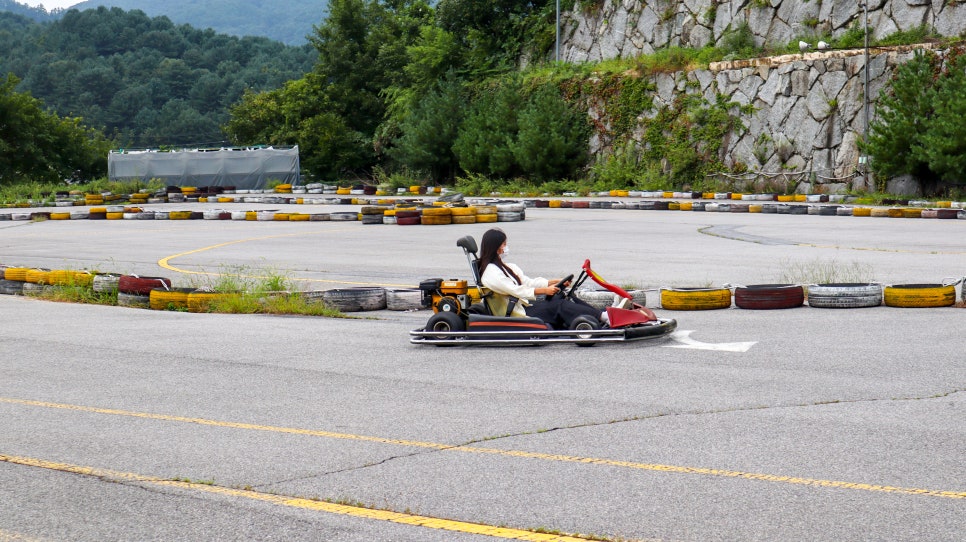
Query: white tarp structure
{"points": [[243, 168]]}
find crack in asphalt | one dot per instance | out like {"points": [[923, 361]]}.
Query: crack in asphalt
{"points": [[470, 443]]}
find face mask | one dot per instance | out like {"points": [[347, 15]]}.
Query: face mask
{"points": [[506, 250]]}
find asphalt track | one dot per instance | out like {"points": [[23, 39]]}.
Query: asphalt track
{"points": [[800, 424]]}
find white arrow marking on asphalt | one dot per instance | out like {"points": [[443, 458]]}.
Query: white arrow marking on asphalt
{"points": [[684, 337]]}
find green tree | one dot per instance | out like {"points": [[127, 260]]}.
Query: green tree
{"points": [[36, 145], [944, 142], [485, 141], [553, 138], [903, 114], [428, 133], [495, 34]]}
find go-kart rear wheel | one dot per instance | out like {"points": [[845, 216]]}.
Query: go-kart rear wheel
{"points": [[584, 323], [445, 322]]}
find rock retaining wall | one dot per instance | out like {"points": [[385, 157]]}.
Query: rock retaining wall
{"points": [[627, 28]]}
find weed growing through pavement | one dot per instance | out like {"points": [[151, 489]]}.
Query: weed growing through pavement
{"points": [[825, 272]]}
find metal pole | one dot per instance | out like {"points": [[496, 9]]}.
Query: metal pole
{"points": [[866, 87], [556, 50]]}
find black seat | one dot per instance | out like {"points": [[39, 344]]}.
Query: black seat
{"points": [[469, 246]]}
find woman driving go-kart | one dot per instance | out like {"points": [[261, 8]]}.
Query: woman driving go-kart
{"points": [[519, 310], [506, 281]]}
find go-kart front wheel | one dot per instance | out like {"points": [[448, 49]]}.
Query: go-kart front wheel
{"points": [[584, 323], [445, 322]]}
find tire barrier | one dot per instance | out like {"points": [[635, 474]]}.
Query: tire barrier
{"points": [[920, 295], [201, 300], [105, 282], [404, 299], [16, 273], [355, 299], [37, 276], [11, 287], [695, 299], [130, 206], [601, 299], [67, 277], [769, 296], [844, 295], [137, 285], [169, 298]]}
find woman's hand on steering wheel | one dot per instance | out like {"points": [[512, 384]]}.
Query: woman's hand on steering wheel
{"points": [[562, 285]]}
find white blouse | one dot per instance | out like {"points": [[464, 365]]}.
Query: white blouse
{"points": [[502, 287]]}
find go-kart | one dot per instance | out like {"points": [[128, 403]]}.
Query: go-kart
{"points": [[455, 323]]}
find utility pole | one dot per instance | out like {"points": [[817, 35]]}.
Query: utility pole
{"points": [[556, 49]]}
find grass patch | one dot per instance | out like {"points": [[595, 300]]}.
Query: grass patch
{"points": [[825, 272], [233, 293], [251, 292]]}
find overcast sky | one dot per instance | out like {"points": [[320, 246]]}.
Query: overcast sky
{"points": [[50, 4]]}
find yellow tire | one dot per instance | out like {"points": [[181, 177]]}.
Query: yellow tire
{"points": [[60, 216], [437, 212], [16, 273], [98, 210], [486, 218], [173, 299], [463, 211], [754, 208], [555, 203], [37, 276], [799, 197], [298, 217], [687, 206], [673, 206], [862, 211], [68, 277], [464, 219], [911, 213], [894, 213], [785, 198], [174, 215], [281, 217], [251, 215], [199, 301], [435, 220], [695, 299], [115, 216], [920, 295], [485, 209]]}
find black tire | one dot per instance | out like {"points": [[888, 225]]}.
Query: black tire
{"points": [[445, 322], [584, 323], [11, 287], [356, 299]]}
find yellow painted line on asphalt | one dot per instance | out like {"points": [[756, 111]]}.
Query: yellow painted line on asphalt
{"points": [[166, 262], [701, 471], [297, 502], [7, 536]]}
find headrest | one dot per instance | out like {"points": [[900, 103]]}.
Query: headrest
{"points": [[467, 243]]}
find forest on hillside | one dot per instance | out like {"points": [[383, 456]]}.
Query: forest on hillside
{"points": [[288, 22], [143, 81]]}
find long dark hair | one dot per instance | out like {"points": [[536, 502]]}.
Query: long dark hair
{"points": [[492, 240]]}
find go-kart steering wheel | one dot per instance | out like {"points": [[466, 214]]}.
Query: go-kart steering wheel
{"points": [[560, 285]]}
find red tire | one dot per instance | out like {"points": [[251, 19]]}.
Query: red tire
{"points": [[135, 285], [408, 221], [769, 296]]}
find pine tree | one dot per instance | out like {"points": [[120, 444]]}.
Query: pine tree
{"points": [[903, 115], [944, 142], [552, 142]]}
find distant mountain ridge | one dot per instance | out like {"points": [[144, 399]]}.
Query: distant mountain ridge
{"points": [[288, 22]]}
